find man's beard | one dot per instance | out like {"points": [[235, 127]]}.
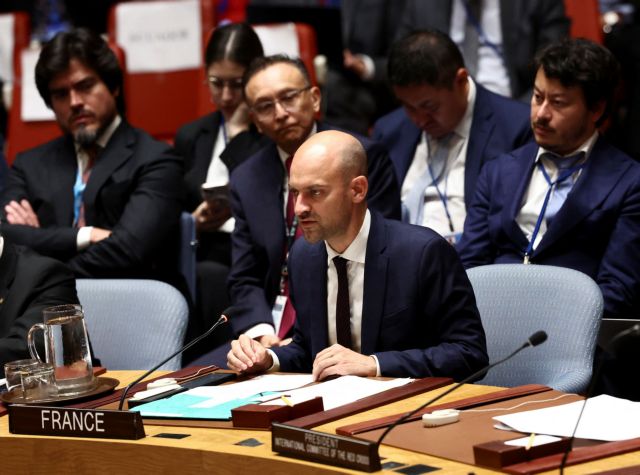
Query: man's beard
{"points": [[85, 137]]}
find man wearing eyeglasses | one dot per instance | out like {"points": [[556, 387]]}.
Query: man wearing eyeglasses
{"points": [[284, 105]]}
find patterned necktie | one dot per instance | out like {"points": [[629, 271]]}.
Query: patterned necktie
{"points": [[437, 164], [343, 312], [92, 154], [567, 166]]}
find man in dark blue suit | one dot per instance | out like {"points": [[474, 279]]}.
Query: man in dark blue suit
{"points": [[373, 296], [444, 109], [570, 200], [284, 104]]}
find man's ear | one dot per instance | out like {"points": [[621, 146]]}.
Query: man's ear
{"points": [[255, 122], [359, 187], [316, 97]]}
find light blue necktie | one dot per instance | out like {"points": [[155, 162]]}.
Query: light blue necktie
{"points": [[437, 164], [564, 186]]}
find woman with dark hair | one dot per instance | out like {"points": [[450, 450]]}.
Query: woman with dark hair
{"points": [[212, 146]]}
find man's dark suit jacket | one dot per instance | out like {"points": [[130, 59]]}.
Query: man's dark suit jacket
{"points": [[194, 142], [419, 314], [134, 190], [29, 283], [527, 26], [498, 126], [258, 241], [597, 230]]}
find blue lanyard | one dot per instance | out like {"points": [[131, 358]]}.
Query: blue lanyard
{"points": [[78, 190], [562, 177], [442, 196], [482, 36]]}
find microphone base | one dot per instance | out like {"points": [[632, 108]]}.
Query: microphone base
{"points": [[497, 454]]}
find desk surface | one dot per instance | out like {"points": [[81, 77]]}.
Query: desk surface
{"points": [[216, 450]]}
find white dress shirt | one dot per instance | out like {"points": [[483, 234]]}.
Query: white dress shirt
{"points": [[452, 184], [83, 238], [218, 173], [533, 198]]}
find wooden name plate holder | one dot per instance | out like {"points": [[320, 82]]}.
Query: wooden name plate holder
{"points": [[261, 416], [65, 422], [499, 454], [324, 448]]}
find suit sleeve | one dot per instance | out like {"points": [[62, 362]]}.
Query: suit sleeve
{"points": [[53, 241], [619, 272], [455, 343], [384, 193], [475, 247], [151, 213], [247, 274], [49, 283]]}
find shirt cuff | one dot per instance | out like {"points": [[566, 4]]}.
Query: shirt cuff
{"points": [[369, 67], [378, 372], [259, 330], [276, 362], [83, 238]]}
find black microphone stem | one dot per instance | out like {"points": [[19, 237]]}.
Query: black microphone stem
{"points": [[220, 321], [592, 385], [533, 341]]}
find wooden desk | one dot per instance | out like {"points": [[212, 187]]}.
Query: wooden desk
{"points": [[216, 450]]}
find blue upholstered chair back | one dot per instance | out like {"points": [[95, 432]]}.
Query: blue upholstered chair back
{"points": [[516, 300], [133, 324]]}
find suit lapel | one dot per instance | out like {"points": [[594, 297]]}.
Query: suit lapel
{"points": [[63, 172], [516, 178], [117, 151], [7, 274], [599, 177], [406, 149], [375, 283], [317, 283], [480, 133], [204, 146], [268, 184]]}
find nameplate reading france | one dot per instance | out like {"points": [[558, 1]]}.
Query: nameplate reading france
{"points": [[67, 422], [324, 448]]}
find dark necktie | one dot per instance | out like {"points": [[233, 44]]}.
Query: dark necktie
{"points": [[343, 312], [92, 154]]}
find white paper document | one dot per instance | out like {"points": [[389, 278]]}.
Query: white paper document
{"points": [[334, 393], [260, 384], [605, 418], [343, 390]]}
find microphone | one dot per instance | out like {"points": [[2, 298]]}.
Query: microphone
{"points": [[612, 347], [223, 319], [534, 340]]}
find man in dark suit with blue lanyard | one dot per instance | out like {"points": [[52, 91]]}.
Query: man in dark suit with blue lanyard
{"points": [[448, 127], [373, 296], [570, 199]]}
